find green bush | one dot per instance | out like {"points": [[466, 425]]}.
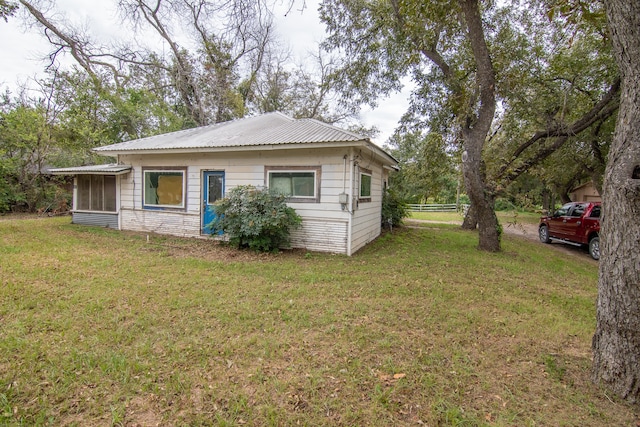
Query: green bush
{"points": [[394, 209], [503, 204], [255, 219]]}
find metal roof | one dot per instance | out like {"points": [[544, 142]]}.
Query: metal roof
{"points": [[306, 130], [109, 169], [267, 129]]}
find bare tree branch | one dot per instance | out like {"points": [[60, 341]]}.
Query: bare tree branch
{"points": [[81, 50]]}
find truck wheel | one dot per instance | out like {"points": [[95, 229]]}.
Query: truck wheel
{"points": [[543, 233], [594, 248]]}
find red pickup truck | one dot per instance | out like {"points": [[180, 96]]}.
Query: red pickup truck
{"points": [[576, 223]]}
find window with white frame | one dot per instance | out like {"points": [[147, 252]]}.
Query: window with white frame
{"points": [[164, 188], [365, 185], [299, 184], [96, 193]]}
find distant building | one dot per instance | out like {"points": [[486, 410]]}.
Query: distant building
{"points": [[586, 192]]}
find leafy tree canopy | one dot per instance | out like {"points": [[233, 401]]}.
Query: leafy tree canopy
{"points": [[556, 83]]}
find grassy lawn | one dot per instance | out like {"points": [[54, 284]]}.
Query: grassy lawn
{"points": [[505, 217], [99, 327]]}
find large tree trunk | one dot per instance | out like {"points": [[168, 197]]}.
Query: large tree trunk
{"points": [[482, 199], [616, 343], [470, 221], [477, 128]]}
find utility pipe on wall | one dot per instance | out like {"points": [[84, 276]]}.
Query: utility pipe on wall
{"points": [[344, 177], [350, 202]]}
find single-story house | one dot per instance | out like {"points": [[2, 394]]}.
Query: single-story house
{"points": [[586, 192], [166, 183]]}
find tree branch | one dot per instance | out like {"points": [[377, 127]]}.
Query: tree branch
{"points": [[602, 110], [485, 75]]}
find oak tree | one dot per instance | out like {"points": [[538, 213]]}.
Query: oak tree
{"points": [[616, 343], [382, 41]]}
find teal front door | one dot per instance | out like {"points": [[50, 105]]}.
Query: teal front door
{"points": [[213, 190]]}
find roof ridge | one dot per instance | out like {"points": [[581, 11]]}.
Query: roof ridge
{"points": [[279, 113]]}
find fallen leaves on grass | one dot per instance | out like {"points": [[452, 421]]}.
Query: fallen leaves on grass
{"points": [[389, 379]]}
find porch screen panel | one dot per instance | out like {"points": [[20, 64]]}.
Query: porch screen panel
{"points": [[110, 193], [97, 193], [84, 192]]}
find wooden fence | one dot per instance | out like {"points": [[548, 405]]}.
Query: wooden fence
{"points": [[434, 207]]}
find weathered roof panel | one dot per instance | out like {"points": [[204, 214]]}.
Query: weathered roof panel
{"points": [[108, 169]]}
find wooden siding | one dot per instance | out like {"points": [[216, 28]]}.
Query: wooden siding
{"points": [[98, 219], [321, 235], [325, 224], [367, 217]]}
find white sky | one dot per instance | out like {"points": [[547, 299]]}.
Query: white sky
{"points": [[22, 52]]}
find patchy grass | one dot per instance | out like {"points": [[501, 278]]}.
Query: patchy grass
{"points": [[99, 327]]}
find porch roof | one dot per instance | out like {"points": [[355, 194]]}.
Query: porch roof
{"points": [[108, 169]]}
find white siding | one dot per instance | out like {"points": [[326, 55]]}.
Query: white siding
{"points": [[325, 224], [367, 217], [162, 222], [322, 235]]}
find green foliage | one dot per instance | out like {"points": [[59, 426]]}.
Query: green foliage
{"points": [[255, 219], [394, 209], [27, 137], [503, 204], [60, 129], [98, 115], [8, 192], [564, 68], [427, 168], [552, 61]]}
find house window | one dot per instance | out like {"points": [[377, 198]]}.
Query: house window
{"points": [[299, 184], [96, 193], [365, 185], [164, 188]]}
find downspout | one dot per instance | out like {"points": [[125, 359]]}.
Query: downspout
{"points": [[344, 176], [350, 203], [118, 193]]}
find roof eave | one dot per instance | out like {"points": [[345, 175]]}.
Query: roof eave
{"points": [[84, 171], [383, 154]]}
